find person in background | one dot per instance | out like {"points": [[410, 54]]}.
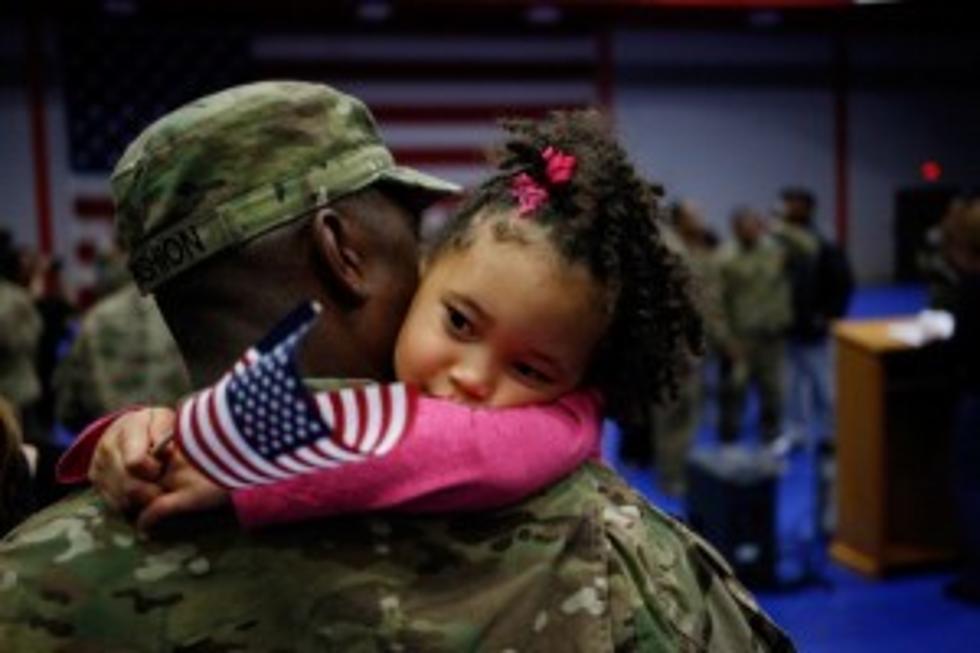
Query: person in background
{"points": [[821, 283], [16, 492], [961, 247], [123, 355], [676, 423], [56, 311], [934, 263], [20, 332], [323, 212], [756, 309]]}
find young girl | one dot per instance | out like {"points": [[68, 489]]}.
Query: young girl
{"points": [[549, 289]]}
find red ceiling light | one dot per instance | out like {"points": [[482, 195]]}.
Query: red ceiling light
{"points": [[931, 170]]}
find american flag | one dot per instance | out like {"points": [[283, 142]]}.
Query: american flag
{"points": [[259, 424], [436, 98]]}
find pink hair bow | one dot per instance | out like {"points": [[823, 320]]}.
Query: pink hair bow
{"points": [[529, 193], [559, 168]]}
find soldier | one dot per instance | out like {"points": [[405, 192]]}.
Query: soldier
{"points": [[821, 283], [235, 208], [755, 296], [676, 424], [123, 355], [961, 248], [20, 331]]}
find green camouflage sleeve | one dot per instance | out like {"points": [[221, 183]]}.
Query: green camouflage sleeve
{"points": [[583, 566], [76, 392], [75, 578], [123, 355], [670, 590], [709, 278]]}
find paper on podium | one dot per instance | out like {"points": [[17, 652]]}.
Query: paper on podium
{"points": [[928, 326]]}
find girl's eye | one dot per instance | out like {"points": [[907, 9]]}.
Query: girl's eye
{"points": [[457, 322], [532, 374]]}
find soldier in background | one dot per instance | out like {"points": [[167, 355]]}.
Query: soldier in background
{"points": [[941, 277], [57, 317], [821, 283], [961, 248], [123, 355], [20, 331], [676, 424], [756, 309]]}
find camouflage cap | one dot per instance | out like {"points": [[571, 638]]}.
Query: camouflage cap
{"points": [[233, 165]]}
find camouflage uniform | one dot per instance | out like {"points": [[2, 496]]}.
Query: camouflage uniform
{"points": [[675, 424], [757, 309], [20, 330], [587, 565], [123, 355]]}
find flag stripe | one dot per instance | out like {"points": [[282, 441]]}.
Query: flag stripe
{"points": [[419, 156], [464, 71], [349, 427], [324, 402], [386, 393], [192, 441], [210, 447], [469, 47], [439, 114], [94, 207], [396, 426], [373, 411], [329, 447], [360, 400], [295, 467], [307, 455]]}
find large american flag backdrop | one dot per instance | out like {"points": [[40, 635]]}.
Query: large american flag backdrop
{"points": [[436, 98]]}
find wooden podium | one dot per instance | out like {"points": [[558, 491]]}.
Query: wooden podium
{"points": [[894, 424]]}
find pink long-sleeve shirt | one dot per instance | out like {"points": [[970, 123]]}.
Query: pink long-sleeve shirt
{"points": [[452, 457]]}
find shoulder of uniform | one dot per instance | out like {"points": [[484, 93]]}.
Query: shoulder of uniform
{"points": [[687, 580], [110, 308]]}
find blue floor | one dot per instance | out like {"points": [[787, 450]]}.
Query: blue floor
{"points": [[848, 612]]}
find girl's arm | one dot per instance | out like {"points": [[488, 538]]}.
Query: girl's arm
{"points": [[453, 457]]}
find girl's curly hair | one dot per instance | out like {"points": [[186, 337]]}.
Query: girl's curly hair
{"points": [[604, 217]]}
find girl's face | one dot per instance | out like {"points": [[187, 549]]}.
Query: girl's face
{"points": [[501, 322]]}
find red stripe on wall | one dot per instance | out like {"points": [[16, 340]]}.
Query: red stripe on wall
{"points": [[39, 136], [439, 156], [86, 251], [94, 207], [482, 113], [605, 78], [469, 71]]}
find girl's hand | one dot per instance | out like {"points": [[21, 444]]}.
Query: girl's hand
{"points": [[123, 468], [185, 489]]}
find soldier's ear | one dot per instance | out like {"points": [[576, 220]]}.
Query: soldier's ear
{"points": [[337, 243]]}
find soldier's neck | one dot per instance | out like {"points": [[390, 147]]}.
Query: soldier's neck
{"points": [[215, 343]]}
